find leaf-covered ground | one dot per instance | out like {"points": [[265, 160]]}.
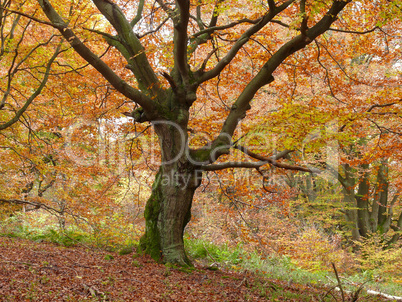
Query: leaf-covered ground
{"points": [[33, 271]]}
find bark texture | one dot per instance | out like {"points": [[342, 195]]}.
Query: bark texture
{"points": [[168, 210]]}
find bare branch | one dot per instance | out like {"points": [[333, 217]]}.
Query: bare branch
{"points": [[383, 105], [204, 35], [155, 30], [272, 160], [227, 165], [215, 14], [170, 80], [29, 17], [277, 156], [198, 18], [39, 205], [271, 4], [353, 31], [181, 38], [210, 30], [167, 9]]}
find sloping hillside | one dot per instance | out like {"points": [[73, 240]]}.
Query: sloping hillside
{"points": [[42, 271]]}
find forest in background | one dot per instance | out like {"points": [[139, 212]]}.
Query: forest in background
{"points": [[275, 126]]}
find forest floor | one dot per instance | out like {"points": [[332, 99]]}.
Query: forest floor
{"points": [[43, 271]]}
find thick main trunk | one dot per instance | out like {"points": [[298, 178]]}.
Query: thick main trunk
{"points": [[168, 210], [167, 213]]}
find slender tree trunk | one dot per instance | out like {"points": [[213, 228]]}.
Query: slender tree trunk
{"points": [[382, 181], [351, 216], [362, 203], [168, 210]]}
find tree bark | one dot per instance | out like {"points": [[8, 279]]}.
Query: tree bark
{"points": [[168, 210], [382, 187], [351, 214], [362, 202]]}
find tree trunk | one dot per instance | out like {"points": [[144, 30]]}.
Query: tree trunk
{"points": [[362, 197], [351, 213], [382, 188], [168, 210]]}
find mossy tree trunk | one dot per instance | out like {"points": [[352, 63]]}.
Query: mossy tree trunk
{"points": [[168, 209]]}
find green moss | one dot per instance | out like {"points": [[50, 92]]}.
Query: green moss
{"points": [[126, 250], [200, 155], [150, 241]]}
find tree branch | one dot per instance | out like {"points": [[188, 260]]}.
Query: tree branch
{"points": [[210, 30], [205, 34], [354, 31], [272, 160], [133, 51], [29, 17], [263, 160], [180, 38], [271, 4], [383, 105], [139, 13], [227, 165], [240, 42], [118, 83], [35, 94], [39, 205]]}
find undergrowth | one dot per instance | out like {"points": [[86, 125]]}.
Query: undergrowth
{"points": [[281, 268], [213, 257]]}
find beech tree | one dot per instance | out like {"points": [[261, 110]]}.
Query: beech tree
{"points": [[172, 51]]}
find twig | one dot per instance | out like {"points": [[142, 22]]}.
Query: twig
{"points": [[209, 254], [339, 282], [241, 283]]}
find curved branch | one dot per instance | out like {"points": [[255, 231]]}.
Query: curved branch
{"points": [[155, 30], [35, 94], [131, 48], [118, 83], [39, 205], [272, 160], [227, 165], [263, 160], [212, 29], [383, 105], [354, 31], [204, 35], [205, 76]]}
